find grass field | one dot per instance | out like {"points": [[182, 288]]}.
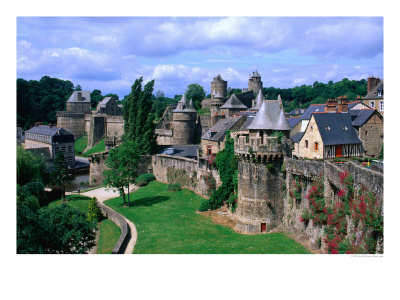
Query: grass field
{"points": [[109, 231], [167, 223], [99, 147], [81, 144]]}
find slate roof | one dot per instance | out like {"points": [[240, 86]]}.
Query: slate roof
{"points": [[259, 100], [47, 130], [312, 108], [293, 121], [249, 120], [233, 102], [374, 93], [270, 116], [360, 117], [297, 137], [103, 102], [220, 128], [336, 129], [188, 151], [74, 96], [255, 74], [184, 105]]}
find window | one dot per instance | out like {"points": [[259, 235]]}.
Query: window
{"points": [[380, 105], [316, 146], [372, 104], [209, 150], [306, 144]]}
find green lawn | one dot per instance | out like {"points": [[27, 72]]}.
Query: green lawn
{"points": [[81, 144], [109, 234], [109, 231], [167, 223], [99, 147]]}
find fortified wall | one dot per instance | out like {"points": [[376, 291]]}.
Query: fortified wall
{"points": [[306, 172]]}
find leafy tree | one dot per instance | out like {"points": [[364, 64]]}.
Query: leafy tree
{"points": [[61, 229], [95, 98], [60, 174], [114, 96], [35, 189], [138, 121], [94, 211], [66, 229], [30, 167], [78, 88], [122, 164], [197, 93]]}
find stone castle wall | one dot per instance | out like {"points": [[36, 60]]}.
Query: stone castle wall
{"points": [[73, 122], [306, 172], [114, 126]]}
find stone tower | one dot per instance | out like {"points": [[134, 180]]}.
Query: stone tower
{"points": [[73, 119], [216, 102], [255, 83], [261, 151], [218, 85], [184, 122]]}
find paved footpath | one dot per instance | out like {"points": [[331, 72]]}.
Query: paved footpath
{"points": [[103, 194]]}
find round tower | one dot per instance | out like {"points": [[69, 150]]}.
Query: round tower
{"points": [[255, 83], [218, 85], [184, 122], [261, 153], [216, 102]]}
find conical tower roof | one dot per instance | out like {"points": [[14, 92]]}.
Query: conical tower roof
{"points": [[184, 105], [270, 116], [233, 102], [259, 100], [255, 74]]}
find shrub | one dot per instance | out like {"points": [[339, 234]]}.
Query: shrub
{"points": [[270, 167], [174, 187], [232, 201], [144, 179], [94, 212]]}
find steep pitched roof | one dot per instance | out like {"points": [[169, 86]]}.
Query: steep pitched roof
{"points": [[297, 137], [233, 102], [218, 131], [312, 108], [255, 74], [47, 130], [184, 105], [103, 102], [259, 100], [74, 96], [270, 116], [336, 128], [374, 93]]}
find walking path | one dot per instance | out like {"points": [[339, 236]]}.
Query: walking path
{"points": [[103, 194]]}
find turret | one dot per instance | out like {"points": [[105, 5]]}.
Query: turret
{"points": [[184, 122], [219, 86], [255, 83], [258, 101]]}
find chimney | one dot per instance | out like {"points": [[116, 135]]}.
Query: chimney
{"points": [[343, 104], [371, 83], [331, 105], [79, 96]]}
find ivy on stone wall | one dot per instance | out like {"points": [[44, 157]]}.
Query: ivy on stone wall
{"points": [[181, 177]]}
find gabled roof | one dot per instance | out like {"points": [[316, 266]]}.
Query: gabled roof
{"points": [[103, 102], [374, 93], [47, 130], [312, 108], [74, 96], [249, 120], [270, 116], [233, 102], [336, 128], [293, 121], [217, 132], [362, 116], [184, 105]]}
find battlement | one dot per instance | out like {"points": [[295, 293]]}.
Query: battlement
{"points": [[70, 114], [261, 148]]}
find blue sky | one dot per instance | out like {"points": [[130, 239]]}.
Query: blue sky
{"points": [[109, 53]]}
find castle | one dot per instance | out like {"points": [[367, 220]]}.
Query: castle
{"points": [[106, 121]]}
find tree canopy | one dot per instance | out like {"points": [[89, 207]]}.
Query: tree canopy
{"points": [[197, 93], [30, 167], [60, 175]]}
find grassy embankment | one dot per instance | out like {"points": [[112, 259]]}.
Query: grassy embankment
{"points": [[109, 231], [167, 223]]}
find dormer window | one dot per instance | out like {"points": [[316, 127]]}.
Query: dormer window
{"points": [[327, 128], [380, 93]]}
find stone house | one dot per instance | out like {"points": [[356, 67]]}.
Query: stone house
{"points": [[369, 125], [328, 135], [53, 138], [232, 106], [213, 140], [374, 97]]}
